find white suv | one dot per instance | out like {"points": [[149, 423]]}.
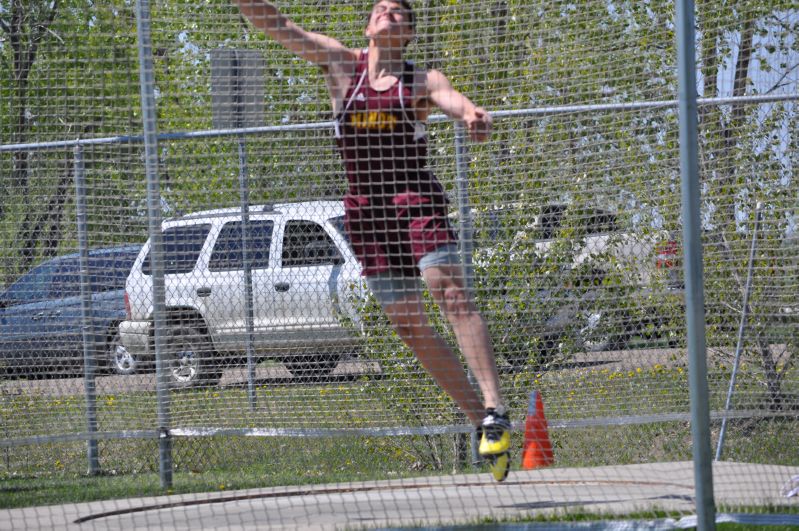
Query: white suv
{"points": [[306, 286]]}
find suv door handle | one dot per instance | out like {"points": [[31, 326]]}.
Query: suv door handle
{"points": [[282, 286], [203, 292]]}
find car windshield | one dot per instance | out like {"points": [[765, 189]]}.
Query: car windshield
{"points": [[61, 278]]}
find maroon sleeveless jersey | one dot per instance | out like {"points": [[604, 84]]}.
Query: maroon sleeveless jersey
{"points": [[396, 210]]}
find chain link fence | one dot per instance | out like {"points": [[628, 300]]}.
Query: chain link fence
{"points": [[186, 298]]}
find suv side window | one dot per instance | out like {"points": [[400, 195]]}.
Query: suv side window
{"points": [[306, 243], [182, 246], [228, 254]]}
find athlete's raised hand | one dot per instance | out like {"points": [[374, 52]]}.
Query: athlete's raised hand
{"points": [[455, 105], [479, 124], [314, 47]]}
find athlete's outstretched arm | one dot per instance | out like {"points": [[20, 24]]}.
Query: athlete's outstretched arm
{"points": [[457, 106], [314, 47]]}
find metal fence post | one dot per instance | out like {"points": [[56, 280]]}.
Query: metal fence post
{"points": [[465, 234], [694, 283], [244, 194], [464, 208], [90, 342], [147, 85]]}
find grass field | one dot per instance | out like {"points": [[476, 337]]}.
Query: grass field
{"points": [[56, 472]]}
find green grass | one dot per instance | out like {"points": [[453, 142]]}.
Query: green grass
{"points": [[217, 464], [56, 473]]}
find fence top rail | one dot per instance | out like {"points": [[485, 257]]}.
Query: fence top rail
{"points": [[436, 118], [211, 431]]}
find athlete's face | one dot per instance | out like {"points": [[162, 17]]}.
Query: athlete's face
{"points": [[390, 20]]}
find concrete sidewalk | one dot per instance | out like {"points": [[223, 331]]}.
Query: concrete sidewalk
{"points": [[430, 501]]}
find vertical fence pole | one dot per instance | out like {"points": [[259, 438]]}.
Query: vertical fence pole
{"points": [[90, 342], [237, 72], [147, 85], [465, 234], [694, 288], [464, 207], [244, 194]]}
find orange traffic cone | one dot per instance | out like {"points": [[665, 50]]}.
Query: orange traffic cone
{"points": [[537, 450]]}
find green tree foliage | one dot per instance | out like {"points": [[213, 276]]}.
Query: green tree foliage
{"points": [[746, 160], [68, 73]]}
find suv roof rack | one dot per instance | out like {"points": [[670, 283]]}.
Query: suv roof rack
{"points": [[224, 212]]}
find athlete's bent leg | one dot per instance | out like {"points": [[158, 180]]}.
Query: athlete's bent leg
{"points": [[409, 320], [408, 317], [446, 284]]}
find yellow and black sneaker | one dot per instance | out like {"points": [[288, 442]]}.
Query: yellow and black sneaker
{"points": [[495, 441]]}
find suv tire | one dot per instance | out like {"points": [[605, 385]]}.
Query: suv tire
{"points": [[120, 361], [191, 359]]}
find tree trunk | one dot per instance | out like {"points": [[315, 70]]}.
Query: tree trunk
{"points": [[721, 142], [774, 396]]}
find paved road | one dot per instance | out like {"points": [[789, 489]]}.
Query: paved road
{"points": [[448, 500]]}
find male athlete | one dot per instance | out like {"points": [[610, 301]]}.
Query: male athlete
{"points": [[396, 210]]}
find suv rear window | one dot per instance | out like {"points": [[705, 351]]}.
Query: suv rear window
{"points": [[182, 246], [550, 221], [586, 222]]}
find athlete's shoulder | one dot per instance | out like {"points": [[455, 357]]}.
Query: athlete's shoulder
{"points": [[346, 64], [435, 77], [422, 76], [432, 80]]}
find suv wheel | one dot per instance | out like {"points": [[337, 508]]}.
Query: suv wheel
{"points": [[191, 359], [120, 360]]}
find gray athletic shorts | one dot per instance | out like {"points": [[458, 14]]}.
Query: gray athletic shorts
{"points": [[389, 287]]}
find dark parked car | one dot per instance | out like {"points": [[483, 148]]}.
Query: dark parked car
{"points": [[41, 318]]}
